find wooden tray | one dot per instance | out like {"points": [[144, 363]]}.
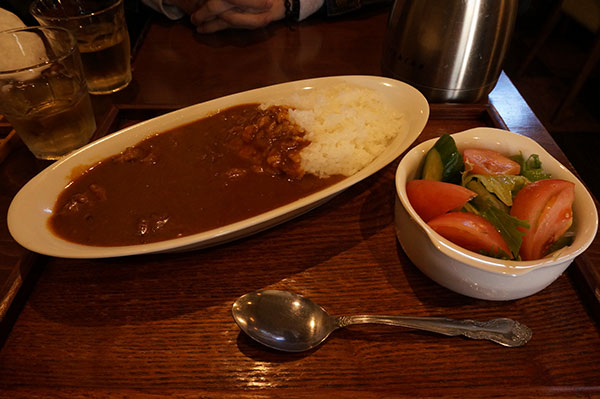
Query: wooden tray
{"points": [[463, 116], [172, 312]]}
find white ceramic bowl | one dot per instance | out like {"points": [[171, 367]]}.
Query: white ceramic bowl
{"points": [[470, 273]]}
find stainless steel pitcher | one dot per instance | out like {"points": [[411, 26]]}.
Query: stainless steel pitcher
{"points": [[451, 50]]}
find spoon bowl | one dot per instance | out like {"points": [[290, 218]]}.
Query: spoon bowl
{"points": [[292, 323], [282, 320]]}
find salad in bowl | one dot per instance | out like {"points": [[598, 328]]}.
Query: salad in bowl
{"points": [[490, 214]]}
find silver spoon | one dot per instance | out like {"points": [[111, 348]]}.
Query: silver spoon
{"points": [[292, 323]]}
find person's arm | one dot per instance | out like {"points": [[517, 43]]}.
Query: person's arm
{"points": [[171, 11], [215, 15]]}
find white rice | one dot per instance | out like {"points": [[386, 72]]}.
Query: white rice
{"points": [[348, 126]]}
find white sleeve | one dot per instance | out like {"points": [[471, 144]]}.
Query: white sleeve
{"points": [[309, 7], [170, 11]]}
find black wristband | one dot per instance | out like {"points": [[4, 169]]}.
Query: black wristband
{"points": [[292, 10]]}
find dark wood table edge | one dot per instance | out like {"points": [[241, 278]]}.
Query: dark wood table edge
{"points": [[440, 391], [584, 272], [17, 289], [14, 287]]}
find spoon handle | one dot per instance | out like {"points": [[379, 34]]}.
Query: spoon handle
{"points": [[503, 331]]}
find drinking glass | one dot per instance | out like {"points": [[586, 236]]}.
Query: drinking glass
{"points": [[43, 93], [102, 37]]}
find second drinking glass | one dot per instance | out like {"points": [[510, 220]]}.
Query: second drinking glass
{"points": [[102, 38]]}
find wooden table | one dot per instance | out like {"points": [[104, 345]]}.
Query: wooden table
{"points": [[154, 326]]}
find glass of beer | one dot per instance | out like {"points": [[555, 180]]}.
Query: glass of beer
{"points": [[102, 37], [43, 92]]}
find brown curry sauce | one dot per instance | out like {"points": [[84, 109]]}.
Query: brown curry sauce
{"points": [[238, 163]]}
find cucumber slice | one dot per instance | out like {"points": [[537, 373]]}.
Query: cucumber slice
{"points": [[433, 168], [443, 162]]}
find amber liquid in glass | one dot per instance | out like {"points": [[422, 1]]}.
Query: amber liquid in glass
{"points": [[105, 54], [56, 127]]}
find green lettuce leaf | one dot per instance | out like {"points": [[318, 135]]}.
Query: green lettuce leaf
{"points": [[508, 226], [502, 186], [499, 254], [531, 167]]}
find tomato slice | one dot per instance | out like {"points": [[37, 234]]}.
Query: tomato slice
{"points": [[470, 231], [431, 198], [547, 205], [490, 162]]}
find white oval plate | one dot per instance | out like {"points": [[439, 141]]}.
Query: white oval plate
{"points": [[33, 205]]}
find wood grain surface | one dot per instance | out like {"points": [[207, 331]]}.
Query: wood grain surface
{"points": [[160, 325]]}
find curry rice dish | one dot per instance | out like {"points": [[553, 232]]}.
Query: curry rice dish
{"points": [[227, 167]]}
